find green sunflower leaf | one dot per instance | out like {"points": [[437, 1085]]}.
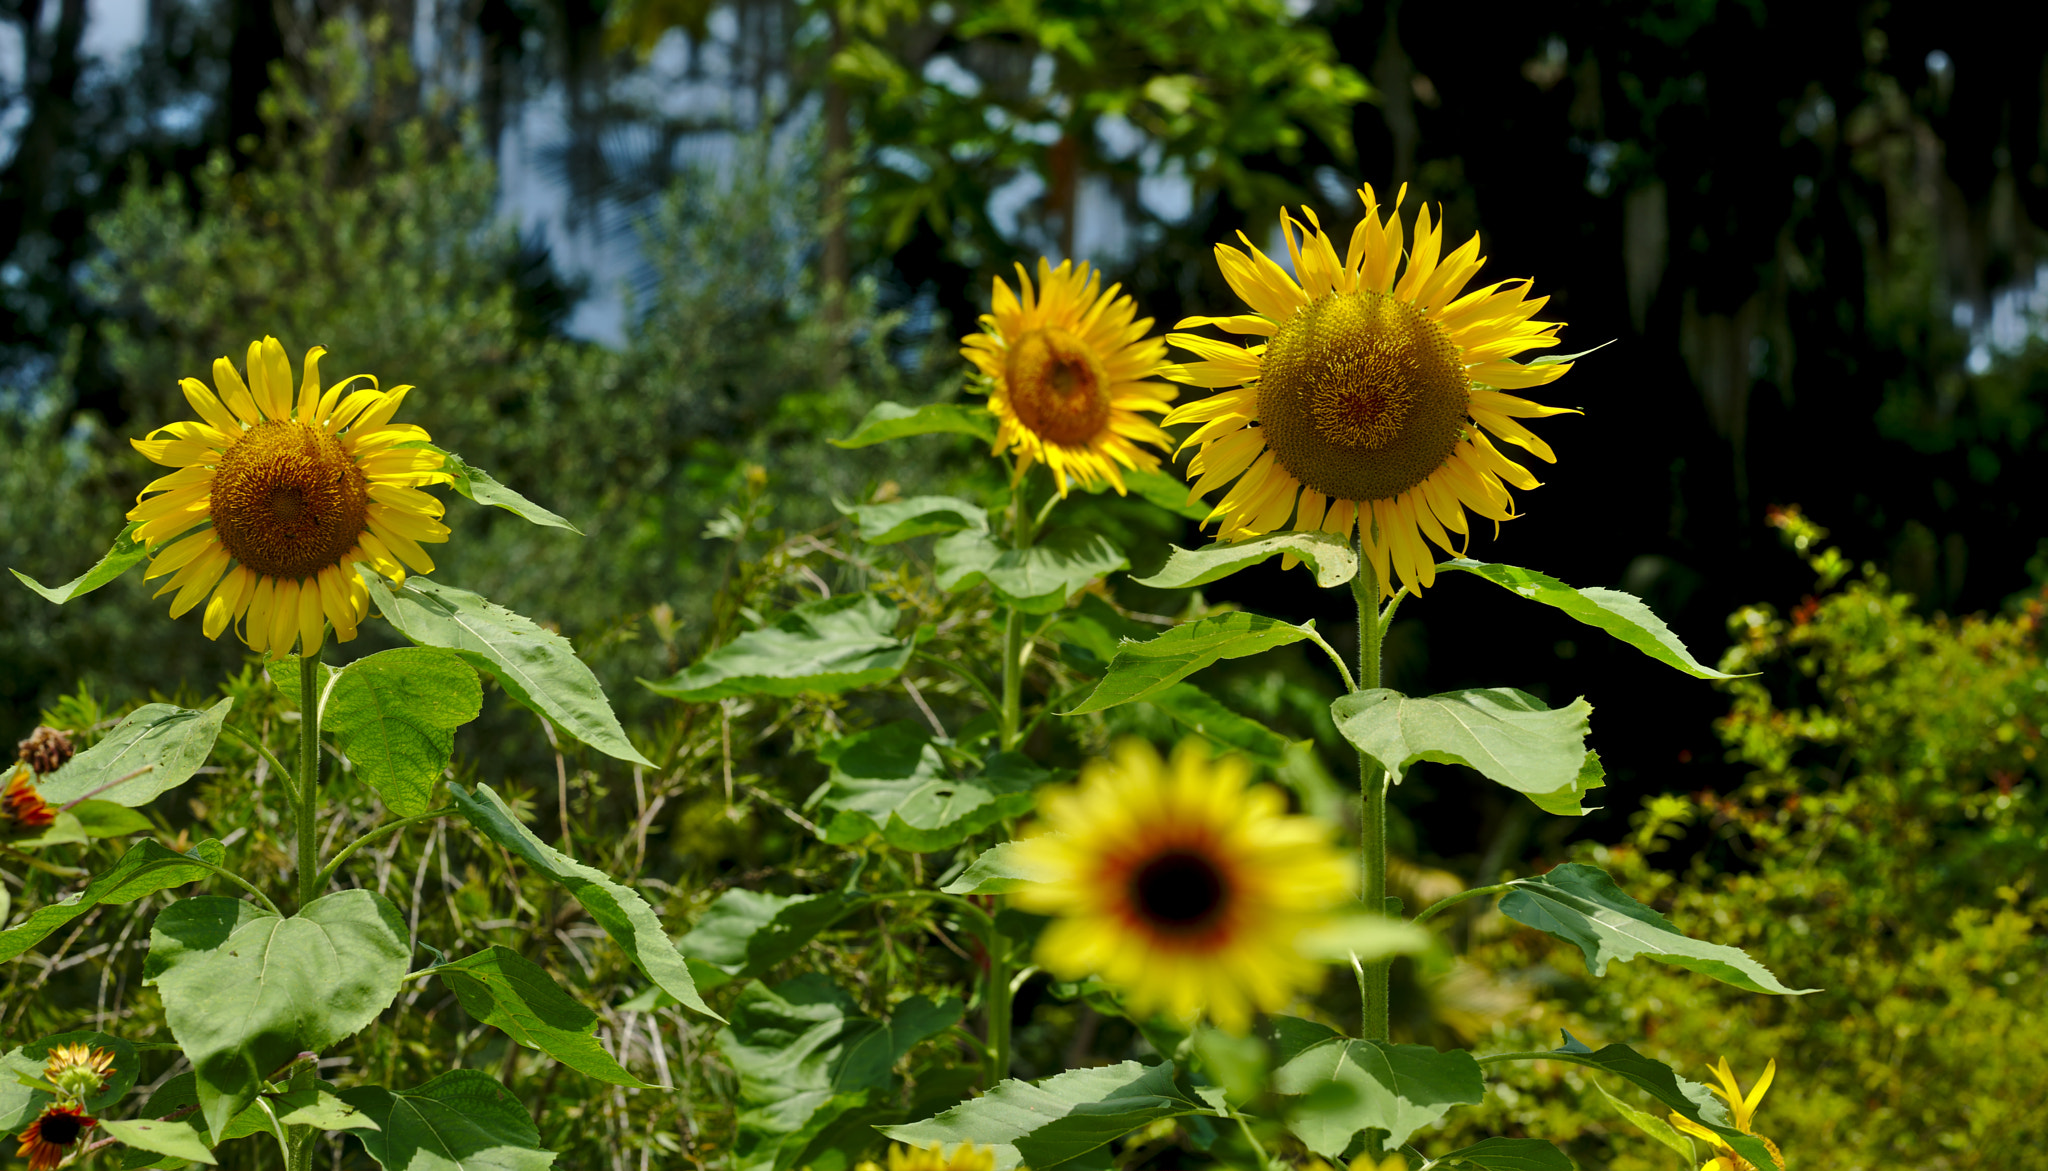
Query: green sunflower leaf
{"points": [[535, 666], [1622, 615], [516, 996], [395, 713], [125, 554], [1162, 488], [623, 914], [1037, 580], [481, 487], [463, 1120], [104, 819], [1509, 736], [1341, 1086], [891, 781], [245, 991], [997, 870], [917, 516], [20, 1101], [1690, 1099], [894, 421], [745, 932], [1202, 714], [1333, 561], [1581, 905], [180, 1140], [157, 747], [1653, 1126], [145, 869], [1141, 670], [826, 646], [1060, 1119], [1510, 1154]]}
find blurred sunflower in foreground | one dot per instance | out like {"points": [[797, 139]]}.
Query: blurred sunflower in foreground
{"points": [[1180, 885], [277, 499], [1069, 372], [1369, 403], [965, 1157]]}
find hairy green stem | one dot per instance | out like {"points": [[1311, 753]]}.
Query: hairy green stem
{"points": [[1258, 1148], [309, 777], [1445, 904], [1372, 818]]}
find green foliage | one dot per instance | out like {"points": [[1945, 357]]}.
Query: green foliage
{"points": [[1060, 1119], [1509, 736], [1333, 562], [828, 645], [1037, 580], [158, 745], [1143, 669], [1622, 615], [1342, 1086]]}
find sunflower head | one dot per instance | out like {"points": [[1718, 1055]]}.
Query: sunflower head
{"points": [[78, 1069], [1373, 395], [1742, 1111], [1180, 885], [23, 810], [965, 1157], [1069, 373], [46, 750], [55, 1134], [278, 496]]}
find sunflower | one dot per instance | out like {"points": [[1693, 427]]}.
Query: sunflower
{"points": [[22, 809], [55, 1133], [1180, 885], [278, 500], [1742, 1109], [1068, 370], [1369, 401], [78, 1069], [934, 1158]]}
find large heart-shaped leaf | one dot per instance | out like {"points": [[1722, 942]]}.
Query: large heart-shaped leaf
{"points": [[1622, 615], [1333, 561], [395, 713], [916, 516], [461, 1121], [1509, 736], [1581, 905], [1061, 1118], [125, 554], [535, 666], [894, 421], [1037, 580], [245, 991], [144, 870], [891, 781], [1140, 670], [161, 743], [516, 996], [829, 645], [623, 914], [1342, 1086]]}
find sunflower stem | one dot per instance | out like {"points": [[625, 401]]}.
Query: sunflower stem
{"points": [[1372, 819], [309, 777]]}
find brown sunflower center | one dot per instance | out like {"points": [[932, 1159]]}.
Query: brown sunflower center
{"points": [[1362, 396], [287, 500], [1057, 386], [1179, 891], [59, 1129]]}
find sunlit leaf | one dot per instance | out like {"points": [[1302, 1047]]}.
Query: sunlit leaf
{"points": [[395, 713], [1205, 715], [1333, 561], [1622, 615], [1653, 1126], [516, 996], [180, 1140], [917, 516], [1509, 736], [1063, 1117], [623, 914], [998, 870], [891, 781], [162, 743], [104, 819], [537, 667], [746, 932], [1143, 669], [1342, 1086], [144, 870], [1037, 580], [463, 1120], [1581, 905], [483, 488], [829, 645], [894, 421], [124, 555], [245, 991]]}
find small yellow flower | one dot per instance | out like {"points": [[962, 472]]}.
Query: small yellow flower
{"points": [[1069, 371], [278, 496], [1180, 885], [54, 1134], [78, 1069], [1741, 1109], [934, 1158], [23, 810]]}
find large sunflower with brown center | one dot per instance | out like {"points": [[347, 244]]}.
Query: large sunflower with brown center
{"points": [[1369, 402], [1180, 885], [278, 497], [1070, 372]]}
